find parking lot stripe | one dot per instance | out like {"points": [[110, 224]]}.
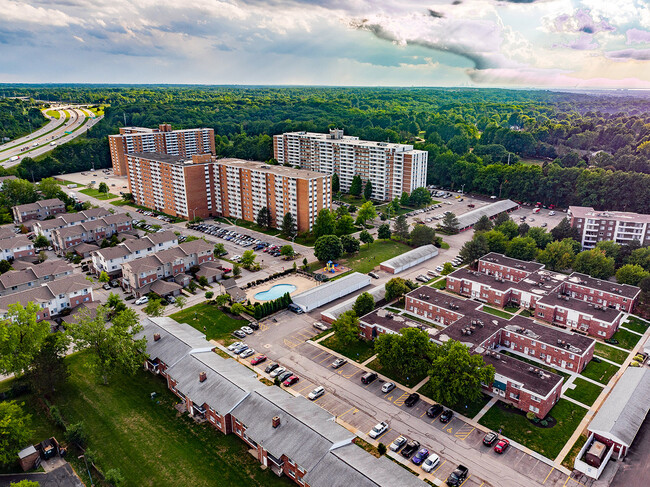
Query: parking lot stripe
{"points": [[461, 485], [321, 353], [299, 391], [290, 344], [379, 437], [443, 462], [351, 375], [549, 474], [425, 412], [400, 400], [445, 426], [321, 397], [343, 414], [464, 434], [326, 358]]}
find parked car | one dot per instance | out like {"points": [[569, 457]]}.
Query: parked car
{"points": [[397, 443], [368, 377], [320, 326], [489, 438], [107, 286], [378, 430], [142, 300], [285, 375], [373, 275], [430, 463], [551, 213], [247, 353], [388, 386], [242, 348], [432, 274], [291, 381], [171, 299], [254, 325], [271, 367], [501, 446], [295, 308], [233, 346], [410, 448], [316, 393], [239, 334], [420, 456], [458, 476], [247, 329], [412, 400], [446, 416], [339, 362], [439, 268], [434, 410], [277, 371], [258, 360], [422, 278]]}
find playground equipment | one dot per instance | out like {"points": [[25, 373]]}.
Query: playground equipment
{"points": [[332, 267]]}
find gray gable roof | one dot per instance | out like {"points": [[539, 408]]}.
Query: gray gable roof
{"points": [[176, 339], [622, 414]]}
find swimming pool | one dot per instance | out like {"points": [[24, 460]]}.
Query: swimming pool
{"points": [[275, 292]]}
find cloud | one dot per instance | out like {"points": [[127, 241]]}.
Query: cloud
{"points": [[580, 21], [624, 54], [583, 43], [637, 36]]}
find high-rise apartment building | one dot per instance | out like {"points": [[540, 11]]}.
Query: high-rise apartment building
{"points": [[163, 140], [620, 226], [203, 186], [391, 168]]}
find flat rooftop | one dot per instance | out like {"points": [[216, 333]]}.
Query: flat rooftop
{"points": [[350, 140], [288, 172], [605, 314], [533, 379], [621, 216], [390, 321], [500, 259]]}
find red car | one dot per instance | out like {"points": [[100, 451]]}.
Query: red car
{"points": [[258, 360], [501, 446], [291, 380]]}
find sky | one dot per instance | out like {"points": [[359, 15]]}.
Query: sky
{"points": [[483, 43]]}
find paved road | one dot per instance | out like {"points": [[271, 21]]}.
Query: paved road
{"points": [[52, 124]]}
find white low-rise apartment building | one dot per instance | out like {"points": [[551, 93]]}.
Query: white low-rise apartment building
{"points": [[620, 226]]}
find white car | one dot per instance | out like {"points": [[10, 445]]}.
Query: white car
{"points": [[247, 353], [551, 213], [235, 345], [278, 371], [236, 258], [388, 386], [142, 300], [247, 329], [320, 326], [398, 443], [378, 430], [316, 393], [430, 463], [439, 268]]}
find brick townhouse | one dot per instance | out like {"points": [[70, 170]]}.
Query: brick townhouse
{"points": [[97, 230], [20, 280], [290, 435], [64, 220], [52, 297], [38, 210], [16, 247], [579, 302]]}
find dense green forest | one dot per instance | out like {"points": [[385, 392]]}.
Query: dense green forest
{"points": [[18, 118], [556, 147]]}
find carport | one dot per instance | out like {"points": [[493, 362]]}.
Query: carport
{"points": [[469, 219], [409, 259], [331, 291]]}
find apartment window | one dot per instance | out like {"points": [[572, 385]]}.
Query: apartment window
{"points": [[543, 347], [535, 399], [533, 409]]}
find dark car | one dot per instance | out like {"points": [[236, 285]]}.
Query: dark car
{"points": [[458, 476], [501, 446], [368, 377], [271, 367], [446, 416], [420, 456], [285, 375], [434, 410], [254, 325], [410, 448], [412, 400], [489, 438]]}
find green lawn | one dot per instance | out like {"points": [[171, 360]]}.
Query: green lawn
{"points": [[441, 284], [546, 441], [359, 351], [216, 324], [626, 339], [585, 392], [526, 313], [409, 381], [511, 309], [600, 372], [573, 453], [496, 312], [467, 409], [564, 375], [147, 440], [611, 353], [53, 114], [371, 256], [96, 194], [636, 324]]}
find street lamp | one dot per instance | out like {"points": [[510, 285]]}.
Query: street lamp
{"points": [[194, 213]]}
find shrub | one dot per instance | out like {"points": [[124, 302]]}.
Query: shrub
{"points": [[381, 448], [57, 417], [76, 434], [531, 416], [114, 477]]}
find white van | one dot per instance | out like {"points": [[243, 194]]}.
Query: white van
{"points": [[14, 158]]}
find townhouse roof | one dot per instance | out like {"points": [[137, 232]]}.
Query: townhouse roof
{"points": [[110, 253], [622, 216], [306, 432], [350, 465], [500, 259], [116, 218], [623, 412], [288, 172], [85, 248], [41, 294], [6, 178], [533, 379], [209, 269], [388, 320], [52, 202], [15, 242], [33, 273], [59, 221], [68, 284], [143, 264], [170, 255], [493, 209], [161, 287], [624, 290], [94, 213], [601, 313], [7, 232], [72, 231], [89, 309], [196, 246], [160, 237]]}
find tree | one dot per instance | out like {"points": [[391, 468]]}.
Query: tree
{"points": [[221, 300], [41, 241], [346, 328], [76, 434], [564, 230], [247, 259], [103, 277], [236, 270], [29, 483], [114, 304], [112, 348], [42, 256], [324, 224], [350, 244], [404, 200], [422, 235], [203, 281], [523, 229], [21, 337], [49, 188], [522, 248], [474, 249], [264, 217], [611, 248], [219, 249], [114, 477], [447, 268], [345, 225], [366, 212], [364, 304], [455, 375], [191, 287], [356, 186], [15, 431], [103, 187], [501, 218], [408, 353], [336, 183], [637, 257], [449, 223], [381, 449], [395, 289], [401, 227], [154, 308], [48, 369], [367, 190], [420, 197], [328, 247], [5, 266], [594, 263], [209, 294], [289, 225], [541, 237], [342, 210], [509, 228], [496, 241], [287, 251], [383, 231], [180, 302], [631, 274], [366, 238], [483, 224], [558, 255]]}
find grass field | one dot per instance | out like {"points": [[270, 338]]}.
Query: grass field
{"points": [[209, 319], [585, 392], [626, 339], [147, 440], [371, 256], [441, 284], [610, 353], [600, 372], [359, 351], [573, 453], [636, 324], [96, 194], [467, 409], [53, 113], [409, 381], [497, 312], [547, 441]]}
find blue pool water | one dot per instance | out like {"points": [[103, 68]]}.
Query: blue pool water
{"points": [[275, 292]]}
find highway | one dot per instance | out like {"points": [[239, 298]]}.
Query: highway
{"points": [[59, 130]]}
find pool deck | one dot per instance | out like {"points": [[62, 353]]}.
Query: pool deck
{"points": [[301, 283]]}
